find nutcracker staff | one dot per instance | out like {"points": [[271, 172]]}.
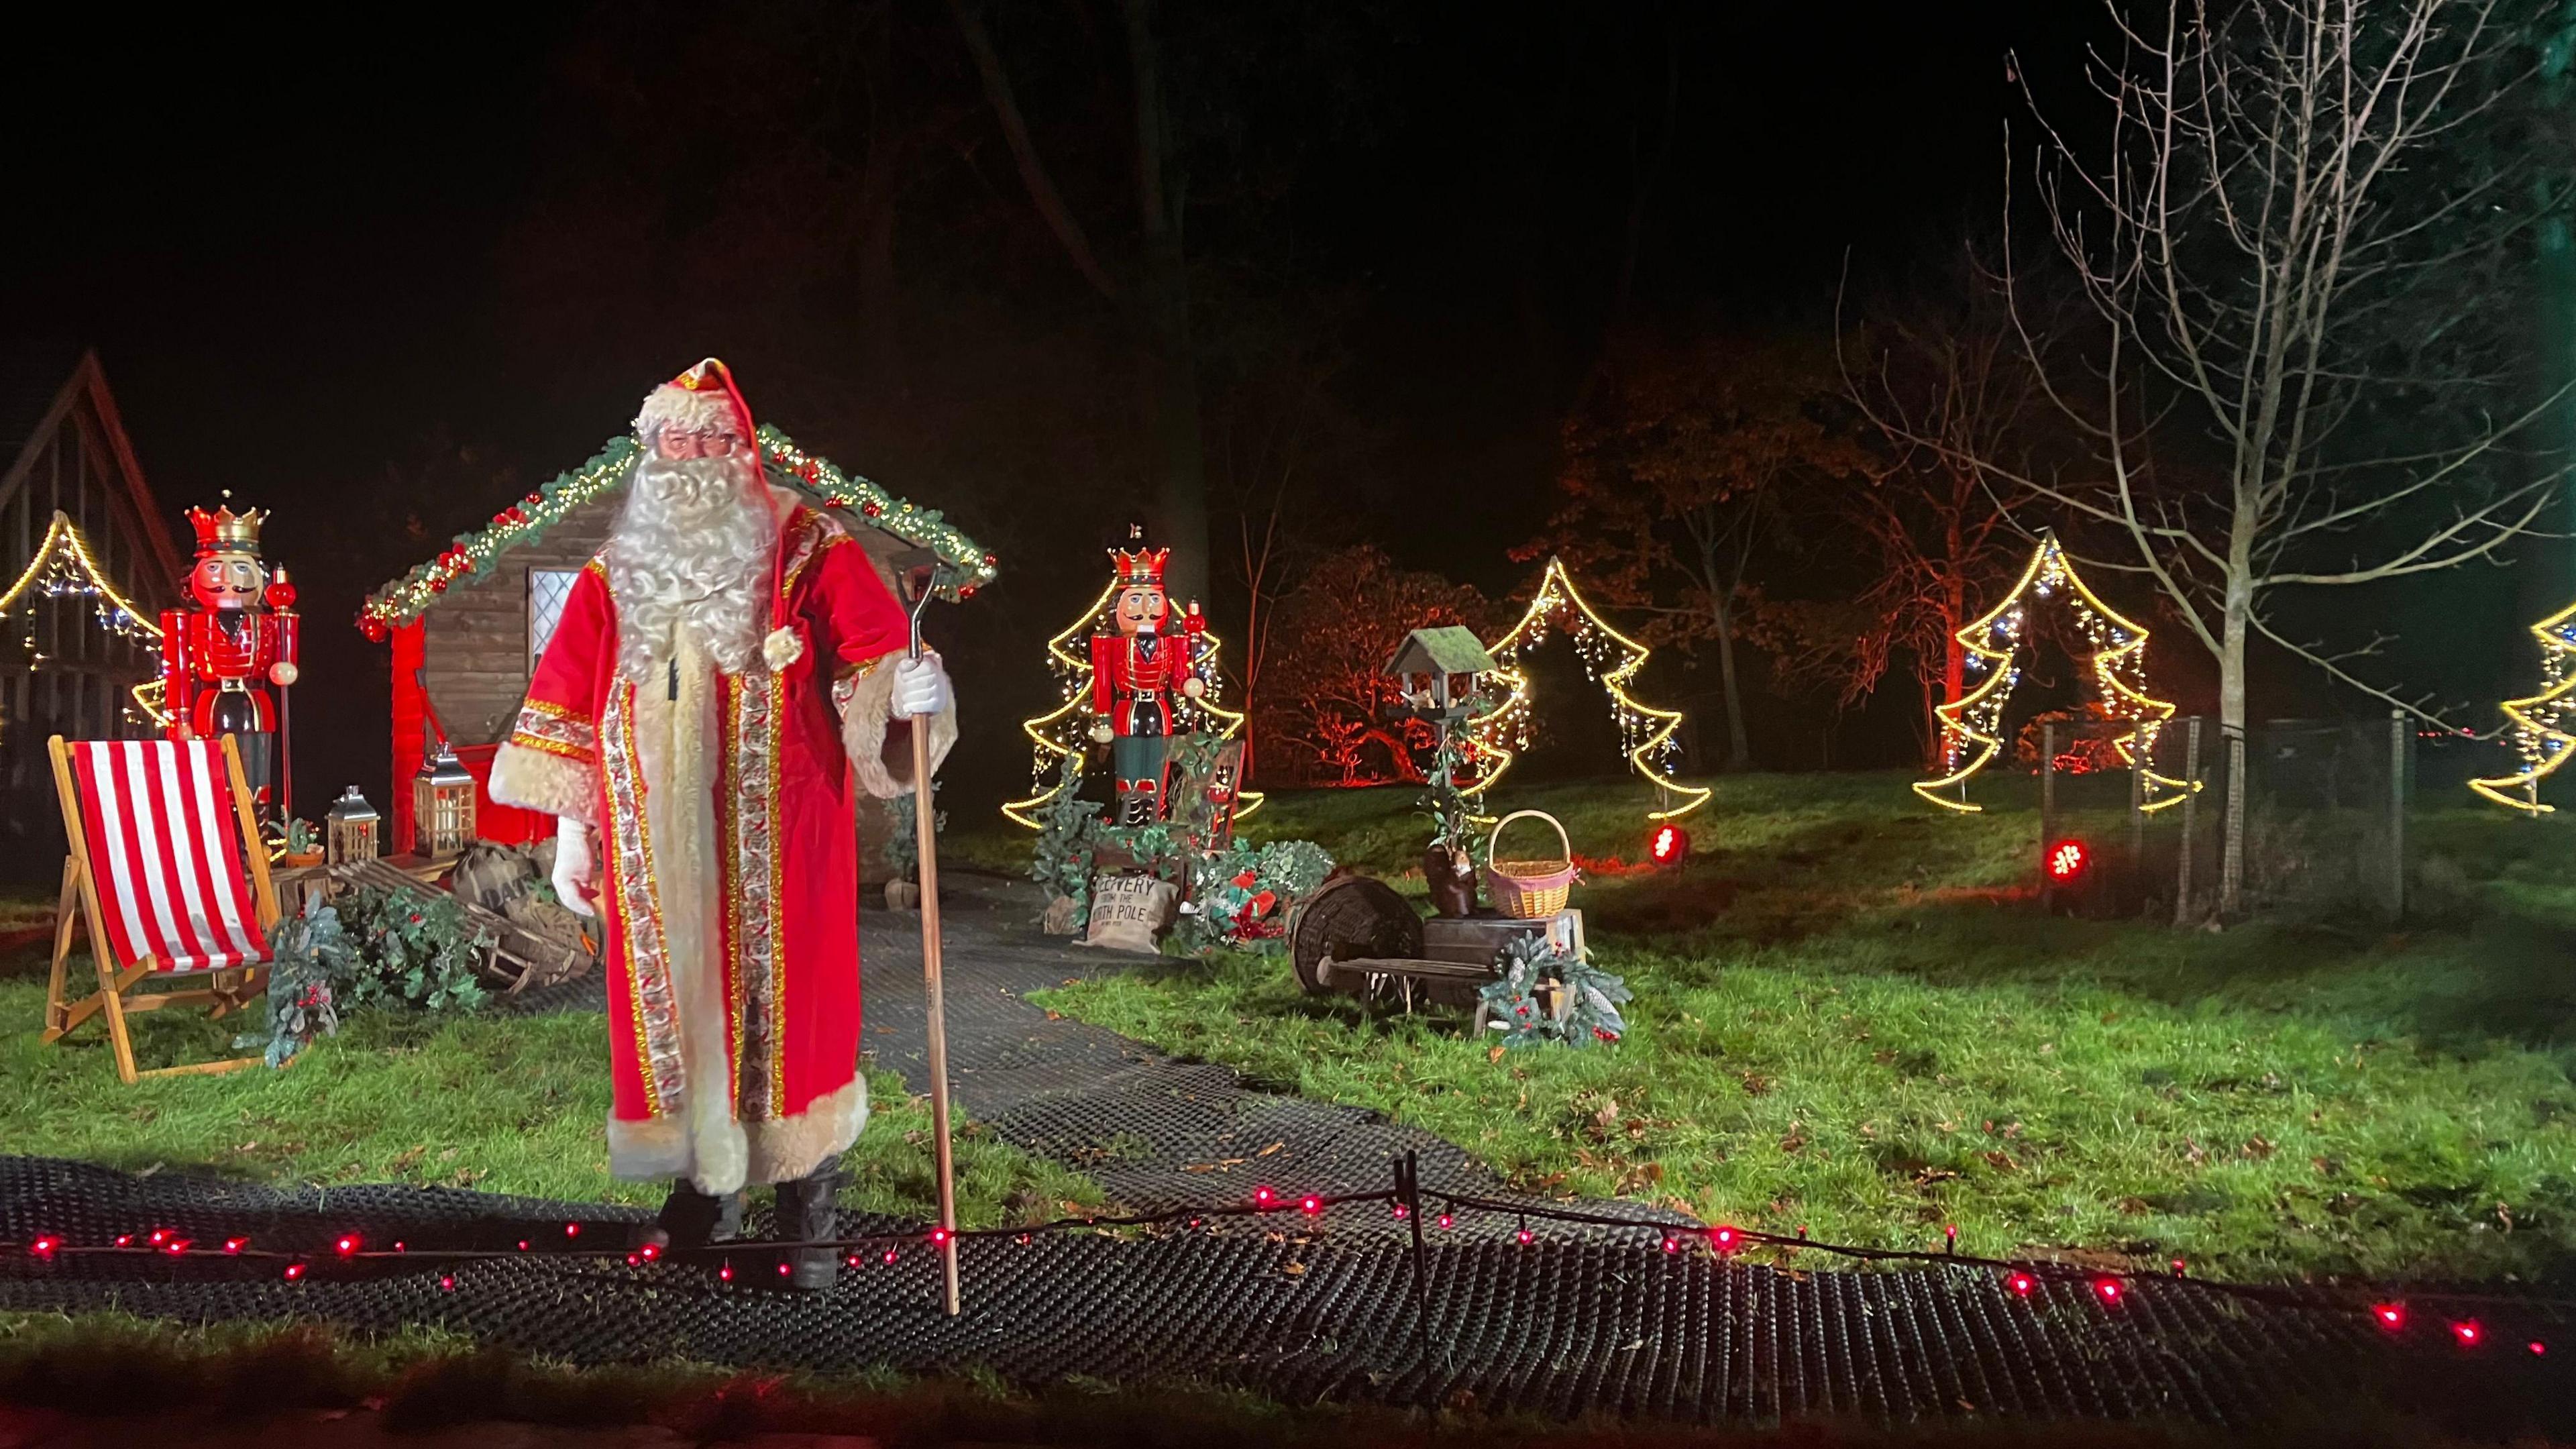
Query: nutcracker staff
{"points": [[1134, 672], [219, 659]]}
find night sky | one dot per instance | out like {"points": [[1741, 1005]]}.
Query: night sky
{"points": [[383, 280]]}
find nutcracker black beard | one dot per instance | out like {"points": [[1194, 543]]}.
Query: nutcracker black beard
{"points": [[692, 547]]}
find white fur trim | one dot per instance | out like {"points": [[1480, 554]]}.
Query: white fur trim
{"points": [[648, 1151], [535, 780], [703, 410], [867, 705], [781, 647], [791, 1147]]}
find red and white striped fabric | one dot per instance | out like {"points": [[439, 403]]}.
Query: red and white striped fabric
{"points": [[165, 847]]}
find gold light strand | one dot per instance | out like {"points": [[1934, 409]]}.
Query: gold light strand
{"points": [[473, 554], [1065, 729], [2119, 670], [62, 564], [2539, 728], [1651, 728]]}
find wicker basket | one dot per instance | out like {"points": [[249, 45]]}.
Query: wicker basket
{"points": [[1529, 889]]}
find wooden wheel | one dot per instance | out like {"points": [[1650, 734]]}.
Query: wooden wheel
{"points": [[1355, 917]]}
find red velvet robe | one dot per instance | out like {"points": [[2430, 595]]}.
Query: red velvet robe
{"points": [[725, 818]]}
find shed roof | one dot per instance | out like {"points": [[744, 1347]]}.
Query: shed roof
{"points": [[473, 554]]}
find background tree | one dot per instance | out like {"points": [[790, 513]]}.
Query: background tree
{"points": [[2295, 247], [1324, 702], [1949, 366], [1671, 480]]}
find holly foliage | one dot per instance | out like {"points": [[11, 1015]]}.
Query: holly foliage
{"points": [[417, 950], [308, 951]]}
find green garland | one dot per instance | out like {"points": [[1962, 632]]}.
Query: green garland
{"points": [[472, 555], [1062, 858], [1533, 970], [417, 948]]}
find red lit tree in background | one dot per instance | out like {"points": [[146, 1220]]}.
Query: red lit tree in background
{"points": [[1322, 710]]}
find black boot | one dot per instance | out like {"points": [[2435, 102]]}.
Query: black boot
{"points": [[807, 1214], [693, 1219]]}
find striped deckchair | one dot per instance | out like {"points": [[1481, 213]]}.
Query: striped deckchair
{"points": [[167, 874]]}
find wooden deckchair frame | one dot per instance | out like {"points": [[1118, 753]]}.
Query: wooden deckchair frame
{"points": [[119, 992]]}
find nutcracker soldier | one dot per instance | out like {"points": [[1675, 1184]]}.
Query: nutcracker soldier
{"points": [[1134, 671], [219, 659]]}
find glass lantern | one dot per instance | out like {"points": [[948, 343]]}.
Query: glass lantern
{"points": [[442, 806], [352, 830]]}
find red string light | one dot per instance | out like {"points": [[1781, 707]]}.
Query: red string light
{"points": [[1447, 1222], [725, 1273], [939, 1237], [1265, 1198], [294, 1272], [2108, 1290], [1672, 1244], [177, 1247], [125, 1240], [1402, 1212], [650, 1252], [347, 1245], [233, 1246], [1310, 1205], [2022, 1284], [1725, 1239], [446, 1282], [891, 1255], [572, 1230], [2391, 1316], [45, 1246], [2468, 1333], [2538, 1348]]}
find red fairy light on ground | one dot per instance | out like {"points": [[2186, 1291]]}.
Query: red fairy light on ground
{"points": [[2391, 1316], [2468, 1333], [1265, 1198], [1310, 1205], [2108, 1290], [45, 1246], [2022, 1284], [347, 1246], [2067, 861], [1726, 1240], [939, 1237], [294, 1272], [1668, 844]]}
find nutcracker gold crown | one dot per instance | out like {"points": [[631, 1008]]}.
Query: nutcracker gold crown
{"points": [[224, 531], [1141, 565]]}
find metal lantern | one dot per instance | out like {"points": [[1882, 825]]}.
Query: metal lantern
{"points": [[442, 805], [351, 829]]}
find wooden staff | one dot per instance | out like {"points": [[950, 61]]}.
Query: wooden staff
{"points": [[920, 580]]}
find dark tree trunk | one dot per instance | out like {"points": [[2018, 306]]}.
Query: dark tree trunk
{"points": [[1169, 375], [1739, 749]]}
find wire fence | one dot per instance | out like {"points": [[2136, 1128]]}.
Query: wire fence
{"points": [[2324, 808]]}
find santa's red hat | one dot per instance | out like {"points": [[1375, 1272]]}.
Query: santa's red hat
{"points": [[702, 399]]}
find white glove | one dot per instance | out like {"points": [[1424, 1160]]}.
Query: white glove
{"points": [[575, 870], [921, 687]]}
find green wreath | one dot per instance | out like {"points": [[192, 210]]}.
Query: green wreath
{"points": [[1535, 974]]}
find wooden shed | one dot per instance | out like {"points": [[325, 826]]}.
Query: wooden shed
{"points": [[467, 626], [71, 651]]}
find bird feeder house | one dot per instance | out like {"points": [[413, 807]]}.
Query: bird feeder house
{"points": [[442, 805], [1438, 670], [352, 831]]}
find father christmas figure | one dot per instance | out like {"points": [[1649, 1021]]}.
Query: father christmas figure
{"points": [[724, 671]]}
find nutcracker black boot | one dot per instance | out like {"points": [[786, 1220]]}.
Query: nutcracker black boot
{"points": [[807, 1214], [693, 1219]]}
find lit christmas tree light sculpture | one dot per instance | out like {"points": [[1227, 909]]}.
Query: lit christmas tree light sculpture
{"points": [[2539, 732], [1972, 725], [1611, 658]]}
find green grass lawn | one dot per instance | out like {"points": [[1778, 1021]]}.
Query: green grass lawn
{"points": [[510, 1104], [1851, 1016]]}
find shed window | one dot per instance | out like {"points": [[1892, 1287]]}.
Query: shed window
{"points": [[547, 590]]}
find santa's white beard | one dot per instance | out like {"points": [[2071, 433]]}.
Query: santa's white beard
{"points": [[691, 549]]}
